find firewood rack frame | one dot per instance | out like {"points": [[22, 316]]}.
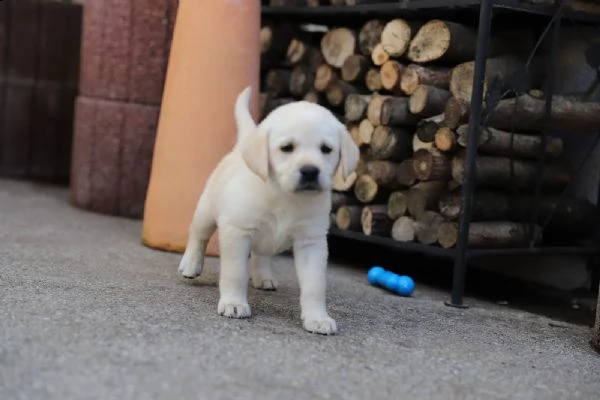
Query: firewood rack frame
{"points": [[553, 13]]}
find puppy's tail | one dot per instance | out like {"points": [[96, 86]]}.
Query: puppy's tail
{"points": [[243, 119]]}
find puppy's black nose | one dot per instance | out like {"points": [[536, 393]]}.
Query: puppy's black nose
{"points": [[309, 173]]}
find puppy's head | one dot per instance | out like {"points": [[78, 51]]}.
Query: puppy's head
{"points": [[299, 146]]}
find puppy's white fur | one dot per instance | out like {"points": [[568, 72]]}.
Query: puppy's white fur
{"points": [[253, 197]]}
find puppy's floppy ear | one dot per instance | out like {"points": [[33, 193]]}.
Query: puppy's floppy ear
{"points": [[255, 152], [349, 153]]}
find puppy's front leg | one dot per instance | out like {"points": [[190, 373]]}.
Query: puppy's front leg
{"points": [[310, 259], [233, 281]]}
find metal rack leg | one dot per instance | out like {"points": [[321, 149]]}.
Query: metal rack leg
{"points": [[460, 261]]}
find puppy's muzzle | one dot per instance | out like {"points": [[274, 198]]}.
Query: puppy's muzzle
{"points": [[309, 178]]}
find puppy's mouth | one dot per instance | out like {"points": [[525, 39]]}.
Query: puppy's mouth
{"points": [[308, 187]]}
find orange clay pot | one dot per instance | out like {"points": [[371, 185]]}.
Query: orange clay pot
{"points": [[214, 55]]}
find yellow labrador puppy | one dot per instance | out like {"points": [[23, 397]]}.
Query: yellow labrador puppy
{"points": [[272, 193]]}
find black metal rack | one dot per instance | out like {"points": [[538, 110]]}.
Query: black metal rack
{"points": [[554, 14]]}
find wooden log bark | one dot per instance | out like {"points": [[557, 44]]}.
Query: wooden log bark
{"points": [[375, 221], [339, 199], [397, 204], [379, 55], [337, 45], [496, 234], [501, 143], [355, 106], [396, 36], [415, 75], [443, 41], [391, 143], [383, 173], [313, 96], [396, 111], [300, 52], [445, 139], [432, 165], [502, 172], [424, 196], [355, 68], [374, 109], [418, 144], [456, 113], [373, 80], [277, 82], [369, 36], [403, 229], [427, 227], [354, 133], [390, 74], [428, 101], [365, 131], [301, 80], [325, 76], [368, 191], [499, 69], [348, 218], [426, 130], [526, 113], [275, 40], [405, 173], [337, 92]]}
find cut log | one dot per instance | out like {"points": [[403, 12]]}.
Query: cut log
{"points": [[325, 76], [312, 96], [526, 113], [337, 92], [277, 82], [361, 167], [403, 229], [497, 234], [374, 109], [301, 80], [373, 80], [337, 45], [339, 199], [275, 40], [365, 131], [424, 196], [299, 52], [443, 41], [418, 144], [379, 55], [455, 113], [383, 173], [432, 165], [397, 204], [375, 221], [428, 101], [347, 218], [340, 184], [396, 36], [354, 133], [415, 75], [395, 111], [405, 173], [355, 68], [355, 106], [501, 143], [499, 69], [427, 227], [368, 191], [390, 74], [369, 36], [502, 172], [445, 139], [272, 104], [426, 130], [391, 143]]}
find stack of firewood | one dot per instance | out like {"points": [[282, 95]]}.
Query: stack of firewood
{"points": [[403, 88]]}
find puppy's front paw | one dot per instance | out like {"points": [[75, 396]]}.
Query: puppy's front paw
{"points": [[264, 284], [234, 309], [323, 325], [189, 268]]}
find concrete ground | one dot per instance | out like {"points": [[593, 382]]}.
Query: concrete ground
{"points": [[86, 312]]}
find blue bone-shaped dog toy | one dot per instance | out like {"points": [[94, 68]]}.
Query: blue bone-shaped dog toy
{"points": [[399, 284]]}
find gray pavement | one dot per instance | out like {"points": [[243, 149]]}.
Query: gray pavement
{"points": [[86, 312]]}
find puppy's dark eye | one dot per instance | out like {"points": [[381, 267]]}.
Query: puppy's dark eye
{"points": [[288, 148], [325, 149]]}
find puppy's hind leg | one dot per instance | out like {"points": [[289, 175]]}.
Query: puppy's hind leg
{"points": [[201, 229], [261, 273]]}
